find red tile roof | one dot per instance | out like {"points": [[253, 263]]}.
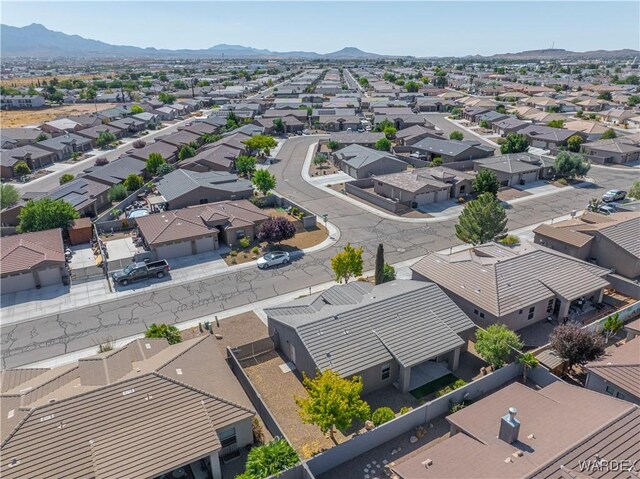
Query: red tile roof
{"points": [[31, 250]]}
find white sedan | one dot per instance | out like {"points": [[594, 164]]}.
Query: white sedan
{"points": [[273, 259]]}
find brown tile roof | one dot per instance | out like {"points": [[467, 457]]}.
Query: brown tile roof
{"points": [[565, 235], [503, 284], [560, 424], [32, 250], [164, 413], [620, 366]]}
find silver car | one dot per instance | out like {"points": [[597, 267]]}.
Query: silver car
{"points": [[273, 259], [614, 195]]}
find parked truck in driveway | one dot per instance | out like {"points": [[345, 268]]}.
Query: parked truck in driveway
{"points": [[138, 271]]}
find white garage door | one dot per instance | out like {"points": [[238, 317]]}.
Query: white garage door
{"points": [[425, 198], [174, 250], [205, 244], [49, 276], [20, 282], [442, 195], [528, 177]]}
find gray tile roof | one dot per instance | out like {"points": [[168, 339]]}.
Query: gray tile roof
{"points": [[512, 163], [625, 234], [448, 147], [503, 284], [349, 328], [180, 182], [117, 171], [358, 156]]}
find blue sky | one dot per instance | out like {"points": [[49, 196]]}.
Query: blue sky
{"points": [[420, 28]]}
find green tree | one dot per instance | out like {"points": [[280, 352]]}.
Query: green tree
{"points": [[186, 151], [117, 192], [436, 161], [333, 145], [515, 143], [482, 220], [261, 143], [456, 113], [209, 138], [41, 137], [388, 273], [484, 124], [389, 132], [379, 269], [278, 126], [580, 113], [347, 263], [105, 138], [633, 100], [166, 98], [574, 142], [570, 165], [136, 109], [332, 402], [496, 343], [556, 123], [45, 214], [21, 168], [609, 134], [9, 195], [66, 178], [364, 83], [611, 326], [575, 344], [133, 182], [154, 162], [456, 135], [411, 86], [605, 95], [501, 109], [486, 181], [264, 181], [528, 361], [386, 123], [164, 169], [245, 165], [634, 191], [269, 460], [320, 160], [166, 331], [383, 144]]}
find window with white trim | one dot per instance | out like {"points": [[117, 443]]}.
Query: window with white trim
{"points": [[386, 372]]}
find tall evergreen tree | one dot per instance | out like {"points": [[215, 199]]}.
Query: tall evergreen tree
{"points": [[380, 264]]}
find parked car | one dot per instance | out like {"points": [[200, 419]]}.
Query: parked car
{"points": [[607, 209], [138, 271], [614, 195], [273, 259]]}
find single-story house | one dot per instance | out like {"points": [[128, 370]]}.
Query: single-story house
{"points": [[608, 241], [149, 119], [87, 196], [32, 260], [117, 171], [548, 138], [617, 373], [217, 158], [508, 125], [65, 146], [338, 122], [180, 138], [291, 124], [415, 133], [402, 333], [616, 116], [168, 151], [87, 120], [165, 113], [516, 168], [61, 126], [471, 113], [619, 150], [496, 284], [553, 431], [450, 150], [366, 138], [592, 129], [23, 136], [94, 132], [148, 409], [198, 229], [400, 122], [129, 125], [182, 188], [34, 156], [361, 162]]}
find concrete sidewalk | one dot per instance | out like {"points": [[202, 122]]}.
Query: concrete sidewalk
{"points": [[31, 304]]}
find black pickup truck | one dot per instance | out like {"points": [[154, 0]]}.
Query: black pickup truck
{"points": [[138, 271]]}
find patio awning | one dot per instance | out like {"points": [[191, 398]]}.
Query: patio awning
{"points": [[575, 289]]}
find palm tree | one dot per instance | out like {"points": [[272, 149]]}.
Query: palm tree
{"points": [[594, 204], [528, 361]]}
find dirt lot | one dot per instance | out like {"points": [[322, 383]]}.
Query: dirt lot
{"points": [[303, 239], [15, 118], [28, 81]]}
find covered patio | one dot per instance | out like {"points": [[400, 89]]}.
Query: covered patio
{"points": [[427, 372]]}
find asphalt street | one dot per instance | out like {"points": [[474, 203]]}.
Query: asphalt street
{"points": [[49, 336]]}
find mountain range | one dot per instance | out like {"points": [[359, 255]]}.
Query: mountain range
{"points": [[37, 41]]}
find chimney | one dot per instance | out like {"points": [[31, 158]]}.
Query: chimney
{"points": [[509, 427]]}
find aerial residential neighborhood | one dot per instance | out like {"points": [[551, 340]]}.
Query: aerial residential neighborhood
{"points": [[417, 257]]}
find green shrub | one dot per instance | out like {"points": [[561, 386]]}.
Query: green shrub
{"points": [[245, 242], [382, 415], [563, 181], [452, 387], [255, 250], [233, 253], [457, 406], [405, 410], [117, 193], [510, 240]]}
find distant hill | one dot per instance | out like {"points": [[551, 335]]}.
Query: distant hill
{"points": [[560, 54], [36, 40]]}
